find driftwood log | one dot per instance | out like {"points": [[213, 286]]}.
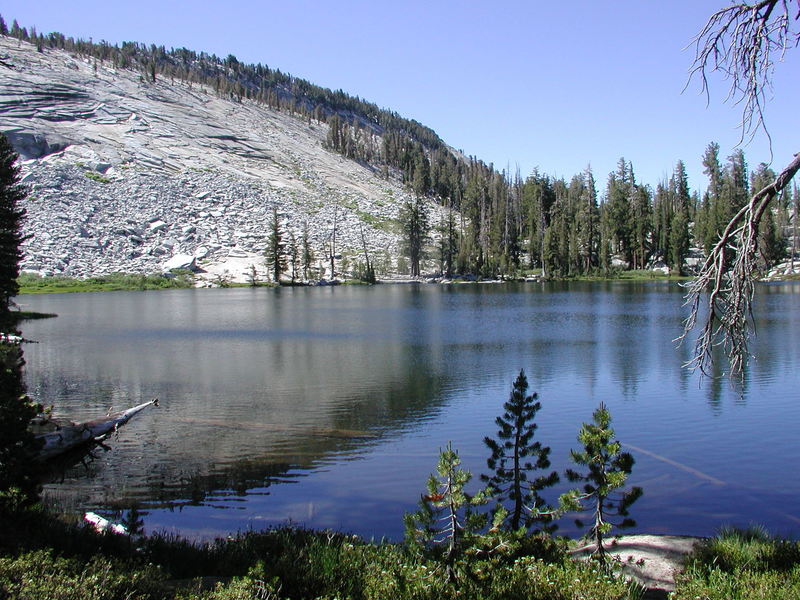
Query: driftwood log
{"points": [[59, 437]]}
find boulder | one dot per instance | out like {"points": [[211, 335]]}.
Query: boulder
{"points": [[157, 226], [99, 167], [30, 145], [179, 261]]}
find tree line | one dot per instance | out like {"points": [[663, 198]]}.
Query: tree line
{"points": [[232, 79], [496, 223]]}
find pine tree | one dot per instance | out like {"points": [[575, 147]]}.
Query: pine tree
{"points": [[679, 223], [587, 220], [771, 244], [252, 276], [334, 137], [713, 169], [446, 514], [16, 410], [421, 179], [275, 255], [448, 243], [307, 252], [679, 240], [662, 220], [608, 469], [619, 192], [18, 486], [640, 225], [771, 241], [514, 445], [414, 222], [294, 256], [11, 218]]}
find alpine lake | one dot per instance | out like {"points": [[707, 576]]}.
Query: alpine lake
{"points": [[327, 406]]}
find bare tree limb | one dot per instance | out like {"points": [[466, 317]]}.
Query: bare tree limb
{"points": [[724, 284], [743, 41]]}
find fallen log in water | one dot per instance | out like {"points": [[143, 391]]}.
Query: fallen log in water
{"points": [[58, 437]]}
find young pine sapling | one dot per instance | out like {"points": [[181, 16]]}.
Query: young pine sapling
{"points": [[446, 516], [608, 469], [515, 455]]}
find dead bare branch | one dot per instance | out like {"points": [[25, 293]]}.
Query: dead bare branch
{"points": [[724, 284], [743, 42]]}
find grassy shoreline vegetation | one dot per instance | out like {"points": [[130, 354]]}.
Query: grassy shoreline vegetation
{"points": [[30, 283], [44, 556]]}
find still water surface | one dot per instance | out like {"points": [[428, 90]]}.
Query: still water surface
{"points": [[327, 406]]}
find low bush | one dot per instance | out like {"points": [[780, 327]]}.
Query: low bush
{"points": [[40, 574]]}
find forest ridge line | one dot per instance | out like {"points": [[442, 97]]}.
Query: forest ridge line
{"points": [[476, 220]]}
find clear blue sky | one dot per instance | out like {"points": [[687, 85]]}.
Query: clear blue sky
{"points": [[522, 84]]}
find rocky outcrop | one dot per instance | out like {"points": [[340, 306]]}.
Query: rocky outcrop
{"points": [[126, 175]]}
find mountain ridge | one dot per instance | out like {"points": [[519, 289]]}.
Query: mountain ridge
{"points": [[115, 154]]}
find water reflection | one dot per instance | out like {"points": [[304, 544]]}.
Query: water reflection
{"points": [[328, 405]]}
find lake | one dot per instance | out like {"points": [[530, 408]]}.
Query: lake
{"points": [[327, 406]]}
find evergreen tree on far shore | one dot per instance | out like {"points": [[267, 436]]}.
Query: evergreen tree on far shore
{"points": [[275, 252], [415, 225]]}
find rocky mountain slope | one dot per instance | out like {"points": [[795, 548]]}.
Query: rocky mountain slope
{"points": [[137, 176]]}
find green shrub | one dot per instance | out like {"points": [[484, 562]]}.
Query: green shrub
{"points": [[38, 575]]}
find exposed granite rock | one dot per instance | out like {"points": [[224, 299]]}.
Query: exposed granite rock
{"points": [[126, 174]]}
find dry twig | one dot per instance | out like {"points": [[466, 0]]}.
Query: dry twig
{"points": [[743, 41]]}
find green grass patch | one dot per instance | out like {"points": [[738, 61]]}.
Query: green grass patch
{"points": [[30, 283], [741, 564], [618, 274], [97, 177], [790, 277], [647, 275], [387, 225]]}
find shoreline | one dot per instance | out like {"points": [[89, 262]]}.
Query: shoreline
{"points": [[112, 282]]}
